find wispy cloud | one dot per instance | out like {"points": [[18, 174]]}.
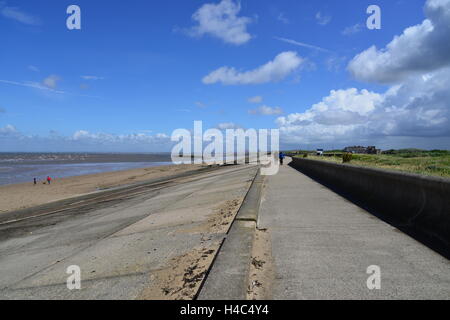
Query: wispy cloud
{"points": [[183, 110], [34, 85], [322, 19], [281, 17], [302, 44], [335, 63], [33, 68], [228, 125], [352, 29], [92, 78], [266, 111], [48, 84], [51, 81], [200, 104], [257, 99], [18, 15]]}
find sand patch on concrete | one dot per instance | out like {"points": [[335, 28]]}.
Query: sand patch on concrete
{"points": [[220, 220], [261, 268], [182, 277]]}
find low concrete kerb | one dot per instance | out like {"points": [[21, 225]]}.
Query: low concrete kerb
{"points": [[228, 277]]}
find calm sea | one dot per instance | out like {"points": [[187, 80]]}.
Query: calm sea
{"points": [[23, 167]]}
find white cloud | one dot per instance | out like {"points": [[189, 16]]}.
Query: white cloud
{"points": [[281, 17], [414, 112], [417, 108], [228, 125], [322, 19], [8, 130], [183, 110], [352, 29], [284, 64], [30, 84], [200, 104], [335, 63], [92, 78], [256, 99], [106, 138], [266, 111], [51, 81], [12, 139], [16, 14], [302, 44], [33, 68], [221, 20], [420, 49]]}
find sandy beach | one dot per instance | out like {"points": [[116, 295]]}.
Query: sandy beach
{"points": [[26, 195]]}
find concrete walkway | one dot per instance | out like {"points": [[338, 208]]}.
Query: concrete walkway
{"points": [[323, 244]]}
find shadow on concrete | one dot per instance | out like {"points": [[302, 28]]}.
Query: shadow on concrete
{"points": [[428, 241]]}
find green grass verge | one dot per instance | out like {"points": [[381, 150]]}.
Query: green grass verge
{"points": [[432, 163]]}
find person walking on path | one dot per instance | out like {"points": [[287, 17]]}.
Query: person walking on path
{"points": [[281, 156], [49, 180]]}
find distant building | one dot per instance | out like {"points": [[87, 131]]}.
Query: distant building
{"points": [[320, 152], [362, 150]]}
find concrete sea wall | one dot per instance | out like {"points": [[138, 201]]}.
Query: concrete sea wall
{"points": [[417, 204]]}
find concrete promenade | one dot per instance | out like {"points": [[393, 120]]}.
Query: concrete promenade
{"points": [[323, 244], [145, 242], [291, 238]]}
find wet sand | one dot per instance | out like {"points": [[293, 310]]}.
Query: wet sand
{"points": [[26, 195]]}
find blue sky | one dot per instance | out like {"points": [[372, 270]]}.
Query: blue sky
{"points": [[138, 69]]}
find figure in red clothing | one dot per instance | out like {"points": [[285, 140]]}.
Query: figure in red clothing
{"points": [[49, 180]]}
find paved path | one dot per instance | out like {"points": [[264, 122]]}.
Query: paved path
{"points": [[322, 245], [122, 243]]}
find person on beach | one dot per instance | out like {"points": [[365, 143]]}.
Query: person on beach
{"points": [[34, 181], [49, 180]]}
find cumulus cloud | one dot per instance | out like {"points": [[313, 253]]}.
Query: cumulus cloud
{"points": [[112, 139], [82, 140], [256, 99], [221, 20], [322, 19], [418, 107], [266, 111], [8, 130], [279, 68], [413, 111], [18, 15], [340, 107], [420, 49]]}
